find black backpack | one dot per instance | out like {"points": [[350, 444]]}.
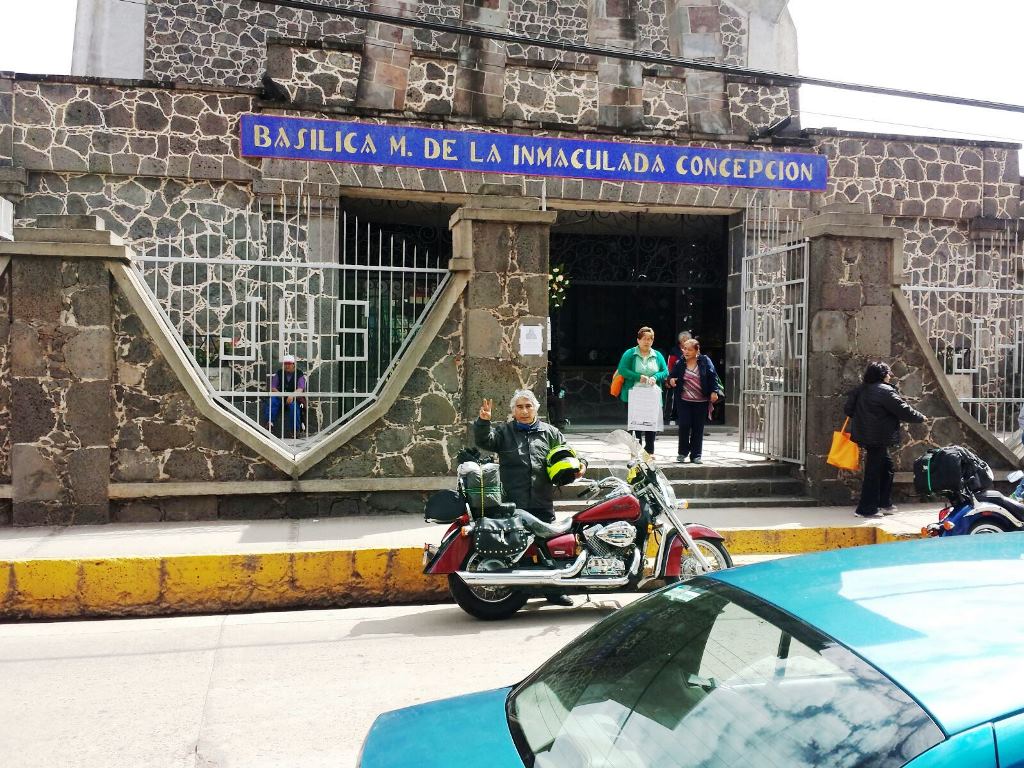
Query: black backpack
{"points": [[949, 470]]}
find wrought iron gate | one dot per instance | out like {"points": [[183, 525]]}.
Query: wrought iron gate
{"points": [[345, 297], [969, 299], [773, 348]]}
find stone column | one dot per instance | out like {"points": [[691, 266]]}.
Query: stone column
{"points": [[387, 51], [61, 368], [854, 264], [620, 90], [505, 237], [480, 77]]}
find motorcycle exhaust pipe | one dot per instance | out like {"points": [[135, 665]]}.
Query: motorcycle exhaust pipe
{"points": [[561, 577]]}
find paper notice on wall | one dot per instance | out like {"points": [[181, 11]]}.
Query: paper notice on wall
{"points": [[531, 340]]}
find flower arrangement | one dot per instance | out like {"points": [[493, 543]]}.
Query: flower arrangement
{"points": [[558, 282]]}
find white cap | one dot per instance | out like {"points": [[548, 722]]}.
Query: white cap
{"points": [[287, 358]]}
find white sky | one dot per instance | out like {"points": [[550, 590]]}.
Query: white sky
{"points": [[940, 46]]}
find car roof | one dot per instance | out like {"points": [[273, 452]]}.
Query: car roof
{"points": [[943, 618]]}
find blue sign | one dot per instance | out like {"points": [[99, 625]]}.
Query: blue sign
{"points": [[335, 141]]}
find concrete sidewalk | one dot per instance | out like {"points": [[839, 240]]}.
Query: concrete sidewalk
{"points": [[170, 568]]}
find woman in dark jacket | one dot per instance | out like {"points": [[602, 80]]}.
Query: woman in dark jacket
{"points": [[696, 387], [876, 410]]}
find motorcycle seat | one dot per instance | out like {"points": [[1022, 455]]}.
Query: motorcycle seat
{"points": [[542, 529], [1012, 506]]}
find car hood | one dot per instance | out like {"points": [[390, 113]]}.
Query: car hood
{"points": [[464, 732]]}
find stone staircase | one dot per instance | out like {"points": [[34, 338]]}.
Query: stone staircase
{"points": [[705, 486]]}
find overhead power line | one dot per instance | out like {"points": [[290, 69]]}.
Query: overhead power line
{"points": [[773, 78]]}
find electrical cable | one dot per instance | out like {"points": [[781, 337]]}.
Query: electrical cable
{"points": [[774, 78]]}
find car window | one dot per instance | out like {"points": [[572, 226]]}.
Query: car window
{"points": [[705, 676]]}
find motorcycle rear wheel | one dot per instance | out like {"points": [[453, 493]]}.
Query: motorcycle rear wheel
{"points": [[712, 549], [989, 526], [487, 603]]}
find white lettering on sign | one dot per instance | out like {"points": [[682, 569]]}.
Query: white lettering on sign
{"points": [[358, 329]]}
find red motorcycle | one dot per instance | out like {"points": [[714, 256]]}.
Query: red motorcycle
{"points": [[497, 557]]}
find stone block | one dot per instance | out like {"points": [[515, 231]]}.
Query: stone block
{"points": [[251, 508], [36, 410], [135, 466], [27, 358], [36, 290], [89, 476], [91, 306], [190, 508], [436, 410], [184, 464], [429, 459], [446, 375], [34, 476], [491, 247], [873, 332], [483, 334], [829, 332], [136, 512], [394, 439], [90, 354], [89, 412], [227, 466], [484, 290], [159, 436]]}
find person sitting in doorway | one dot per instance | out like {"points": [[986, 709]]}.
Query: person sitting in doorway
{"points": [[285, 415]]}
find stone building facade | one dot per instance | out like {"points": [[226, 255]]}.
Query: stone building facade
{"points": [[102, 414]]}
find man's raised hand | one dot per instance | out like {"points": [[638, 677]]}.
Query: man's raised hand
{"points": [[485, 409]]}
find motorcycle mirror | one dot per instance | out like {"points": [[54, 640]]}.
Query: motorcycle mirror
{"points": [[1014, 476]]}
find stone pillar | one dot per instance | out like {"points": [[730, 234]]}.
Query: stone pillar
{"points": [[480, 77], [854, 263], [61, 369], [505, 237], [6, 122], [387, 51], [620, 90]]}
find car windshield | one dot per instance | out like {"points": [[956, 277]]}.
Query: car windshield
{"points": [[705, 675]]}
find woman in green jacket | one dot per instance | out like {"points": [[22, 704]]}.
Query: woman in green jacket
{"points": [[645, 366]]}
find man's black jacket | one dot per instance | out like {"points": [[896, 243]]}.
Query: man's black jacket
{"points": [[876, 411]]}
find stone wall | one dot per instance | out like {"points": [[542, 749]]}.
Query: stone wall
{"points": [[914, 177], [316, 73], [6, 122], [84, 127]]}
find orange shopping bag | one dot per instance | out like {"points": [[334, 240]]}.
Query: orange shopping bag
{"points": [[844, 452]]}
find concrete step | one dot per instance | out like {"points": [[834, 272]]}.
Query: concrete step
{"points": [[737, 487], [569, 506], [674, 471]]}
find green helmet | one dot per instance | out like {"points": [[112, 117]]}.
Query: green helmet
{"points": [[563, 465]]}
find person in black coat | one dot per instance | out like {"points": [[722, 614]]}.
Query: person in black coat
{"points": [[876, 409]]}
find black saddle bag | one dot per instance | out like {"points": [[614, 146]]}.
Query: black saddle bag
{"points": [[501, 537]]}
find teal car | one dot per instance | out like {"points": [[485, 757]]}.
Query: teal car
{"points": [[906, 654]]}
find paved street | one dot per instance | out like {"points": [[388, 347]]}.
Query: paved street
{"points": [[272, 690]]}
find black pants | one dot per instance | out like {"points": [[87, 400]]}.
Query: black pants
{"points": [[647, 439], [691, 418], [876, 490]]}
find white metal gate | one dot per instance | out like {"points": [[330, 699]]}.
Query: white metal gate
{"points": [[773, 349], [969, 299], [343, 296]]}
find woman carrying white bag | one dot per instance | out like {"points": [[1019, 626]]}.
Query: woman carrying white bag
{"points": [[644, 371]]}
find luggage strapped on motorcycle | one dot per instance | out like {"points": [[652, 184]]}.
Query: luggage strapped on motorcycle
{"points": [[951, 469]]}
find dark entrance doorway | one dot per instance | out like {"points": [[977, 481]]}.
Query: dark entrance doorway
{"points": [[626, 271]]}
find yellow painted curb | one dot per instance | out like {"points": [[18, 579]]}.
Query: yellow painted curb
{"points": [[38, 589], [150, 586]]}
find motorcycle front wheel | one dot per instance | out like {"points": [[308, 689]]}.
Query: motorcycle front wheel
{"points": [[487, 603], [714, 552]]}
